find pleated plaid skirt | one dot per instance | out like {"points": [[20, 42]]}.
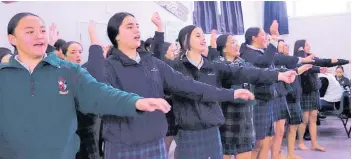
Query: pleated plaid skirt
{"points": [[237, 133], [200, 144], [311, 101], [263, 119], [152, 150], [295, 117], [280, 109]]}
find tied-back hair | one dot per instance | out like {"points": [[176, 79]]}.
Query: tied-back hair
{"points": [[59, 44], [340, 67], [114, 24], [221, 43], [298, 48], [67, 45], [185, 46], [11, 26], [250, 32]]}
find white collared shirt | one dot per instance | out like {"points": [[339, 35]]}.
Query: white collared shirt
{"points": [[194, 63], [24, 65]]}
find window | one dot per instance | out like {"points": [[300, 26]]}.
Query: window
{"points": [[310, 8]]}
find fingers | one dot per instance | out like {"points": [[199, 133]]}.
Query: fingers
{"points": [[213, 32], [244, 94], [160, 104]]}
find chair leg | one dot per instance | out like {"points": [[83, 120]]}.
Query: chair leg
{"points": [[344, 122]]}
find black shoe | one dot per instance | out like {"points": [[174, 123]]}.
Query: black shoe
{"points": [[306, 137], [321, 116], [318, 122]]}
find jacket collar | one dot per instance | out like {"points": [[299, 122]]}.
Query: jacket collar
{"points": [[125, 60], [50, 59], [206, 64]]}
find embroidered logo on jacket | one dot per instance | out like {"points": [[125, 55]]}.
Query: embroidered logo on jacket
{"points": [[62, 86], [154, 70]]}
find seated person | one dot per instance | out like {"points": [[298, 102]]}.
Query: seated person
{"points": [[344, 81], [330, 92]]}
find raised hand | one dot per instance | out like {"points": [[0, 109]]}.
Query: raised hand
{"points": [[157, 21], [274, 30], [91, 26], [152, 104], [53, 34], [213, 38], [304, 68], [288, 76], [243, 94], [92, 33]]}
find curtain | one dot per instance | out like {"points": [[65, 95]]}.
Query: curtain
{"points": [[231, 18], [205, 15], [276, 10]]}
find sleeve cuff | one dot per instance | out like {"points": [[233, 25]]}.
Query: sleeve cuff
{"points": [[299, 60]]}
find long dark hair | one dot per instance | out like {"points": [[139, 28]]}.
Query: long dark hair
{"points": [[184, 38], [296, 51], [221, 43], [114, 24]]}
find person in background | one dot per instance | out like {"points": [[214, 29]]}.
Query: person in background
{"points": [[55, 43], [331, 90], [237, 133], [263, 54], [148, 44], [5, 54], [310, 102], [199, 121], [344, 81], [293, 100], [42, 123], [72, 52], [58, 48]]}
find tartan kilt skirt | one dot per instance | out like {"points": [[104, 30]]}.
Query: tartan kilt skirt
{"points": [[263, 119], [198, 144], [237, 133], [152, 150], [280, 109], [295, 117], [310, 101]]}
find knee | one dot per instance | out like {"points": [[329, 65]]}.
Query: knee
{"points": [[281, 132], [305, 122], [313, 118]]}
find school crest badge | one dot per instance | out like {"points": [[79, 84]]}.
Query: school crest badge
{"points": [[62, 86]]}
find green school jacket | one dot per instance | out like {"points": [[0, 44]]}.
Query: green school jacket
{"points": [[38, 110]]}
